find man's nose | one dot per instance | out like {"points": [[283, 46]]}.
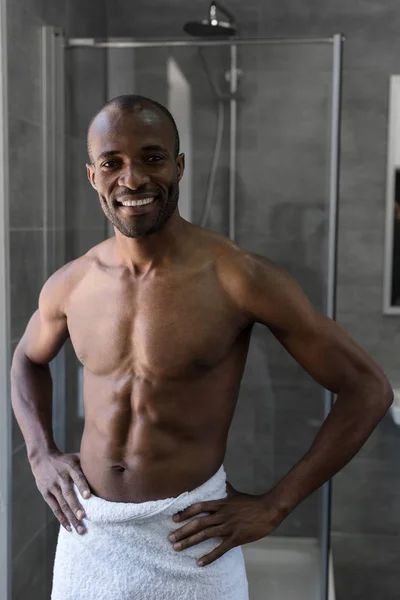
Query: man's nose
{"points": [[133, 177]]}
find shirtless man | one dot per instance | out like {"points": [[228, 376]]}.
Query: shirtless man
{"points": [[160, 315]]}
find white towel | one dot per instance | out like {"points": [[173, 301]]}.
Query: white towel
{"points": [[125, 553]]}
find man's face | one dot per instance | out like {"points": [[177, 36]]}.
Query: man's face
{"points": [[133, 154]]}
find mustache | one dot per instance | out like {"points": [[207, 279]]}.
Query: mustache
{"points": [[138, 192]]}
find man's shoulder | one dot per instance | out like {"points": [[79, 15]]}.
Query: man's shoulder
{"points": [[59, 286], [245, 275], [239, 267]]}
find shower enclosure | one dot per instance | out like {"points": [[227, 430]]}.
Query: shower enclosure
{"points": [[259, 125]]}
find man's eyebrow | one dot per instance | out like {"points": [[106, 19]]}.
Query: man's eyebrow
{"points": [[154, 147], [108, 154], [150, 147]]}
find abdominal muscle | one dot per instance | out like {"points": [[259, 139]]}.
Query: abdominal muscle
{"points": [[130, 455]]}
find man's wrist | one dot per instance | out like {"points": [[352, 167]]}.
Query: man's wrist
{"points": [[277, 502], [38, 453]]}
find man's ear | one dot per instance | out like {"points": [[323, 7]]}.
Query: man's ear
{"points": [[90, 174], [180, 165]]}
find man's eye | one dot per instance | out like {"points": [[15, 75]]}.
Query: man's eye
{"points": [[155, 158], [109, 164]]}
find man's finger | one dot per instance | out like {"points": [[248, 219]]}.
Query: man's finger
{"points": [[204, 534], [69, 513], [219, 551], [80, 480], [58, 513], [71, 498], [196, 509], [193, 527]]}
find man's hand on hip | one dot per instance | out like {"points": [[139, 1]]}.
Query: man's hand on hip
{"points": [[238, 519], [55, 473]]}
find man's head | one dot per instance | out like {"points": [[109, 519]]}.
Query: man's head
{"points": [[133, 147]]}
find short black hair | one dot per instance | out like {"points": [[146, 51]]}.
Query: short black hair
{"points": [[130, 102]]}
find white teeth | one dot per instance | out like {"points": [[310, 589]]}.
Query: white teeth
{"points": [[137, 202]]}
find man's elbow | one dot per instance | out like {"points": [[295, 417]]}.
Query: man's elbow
{"points": [[383, 392], [388, 393]]}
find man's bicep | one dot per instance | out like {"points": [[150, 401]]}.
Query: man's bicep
{"points": [[43, 338], [47, 329], [326, 352], [316, 342]]}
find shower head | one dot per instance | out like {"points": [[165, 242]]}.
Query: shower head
{"points": [[206, 29], [212, 26]]}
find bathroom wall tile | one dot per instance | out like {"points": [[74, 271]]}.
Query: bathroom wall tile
{"points": [[28, 571], [79, 241], [239, 459], [85, 72], [357, 260], [369, 22], [302, 522], [359, 489], [26, 273], [138, 20], [26, 195], [365, 98], [51, 533], [366, 566], [54, 12], [364, 49], [17, 437], [25, 494], [304, 396], [384, 443], [367, 304], [23, 25], [85, 19], [294, 433], [74, 424], [288, 59], [24, 88], [33, 7], [82, 209]]}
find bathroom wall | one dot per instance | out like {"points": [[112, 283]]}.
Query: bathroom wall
{"points": [[33, 525], [365, 524], [282, 421]]}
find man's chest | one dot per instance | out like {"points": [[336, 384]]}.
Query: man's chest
{"points": [[165, 329]]}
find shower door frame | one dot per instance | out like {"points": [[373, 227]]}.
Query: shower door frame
{"points": [[5, 335], [336, 41]]}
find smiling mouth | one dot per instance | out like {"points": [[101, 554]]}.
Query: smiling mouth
{"points": [[132, 208], [138, 202]]}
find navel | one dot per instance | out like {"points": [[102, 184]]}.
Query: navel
{"points": [[118, 468]]}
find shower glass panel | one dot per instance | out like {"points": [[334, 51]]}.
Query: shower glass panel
{"points": [[278, 136], [282, 212]]}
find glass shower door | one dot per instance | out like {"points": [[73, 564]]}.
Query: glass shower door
{"points": [[282, 212], [280, 137]]}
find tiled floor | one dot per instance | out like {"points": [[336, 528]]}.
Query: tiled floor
{"points": [[284, 569]]}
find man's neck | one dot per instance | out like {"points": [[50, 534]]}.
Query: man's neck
{"points": [[160, 249]]}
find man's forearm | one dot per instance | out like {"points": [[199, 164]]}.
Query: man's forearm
{"points": [[351, 421], [31, 398]]}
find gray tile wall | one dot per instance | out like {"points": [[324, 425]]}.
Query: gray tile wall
{"points": [[33, 525], [287, 407], [371, 55]]}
